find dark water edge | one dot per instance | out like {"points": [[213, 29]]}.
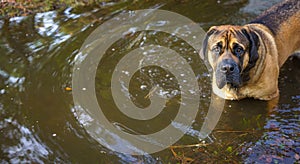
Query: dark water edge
{"points": [[37, 119]]}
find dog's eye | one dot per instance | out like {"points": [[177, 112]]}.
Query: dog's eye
{"points": [[217, 49], [238, 51]]}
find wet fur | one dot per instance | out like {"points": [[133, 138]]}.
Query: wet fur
{"points": [[271, 38]]}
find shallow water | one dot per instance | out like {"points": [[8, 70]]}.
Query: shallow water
{"points": [[38, 118]]}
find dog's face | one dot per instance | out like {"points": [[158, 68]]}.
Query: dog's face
{"points": [[232, 52]]}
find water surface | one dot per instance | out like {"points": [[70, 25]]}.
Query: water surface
{"points": [[38, 122]]}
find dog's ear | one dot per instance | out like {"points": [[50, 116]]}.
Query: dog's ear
{"points": [[203, 50], [254, 44]]}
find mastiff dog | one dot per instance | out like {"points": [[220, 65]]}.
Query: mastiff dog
{"points": [[246, 59]]}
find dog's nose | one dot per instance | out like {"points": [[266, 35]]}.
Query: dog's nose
{"points": [[227, 68]]}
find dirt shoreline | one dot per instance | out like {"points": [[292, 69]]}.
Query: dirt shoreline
{"points": [[13, 8]]}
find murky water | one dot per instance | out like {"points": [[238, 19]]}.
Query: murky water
{"points": [[38, 122]]}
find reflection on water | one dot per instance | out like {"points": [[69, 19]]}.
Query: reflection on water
{"points": [[25, 146], [281, 141], [37, 121]]}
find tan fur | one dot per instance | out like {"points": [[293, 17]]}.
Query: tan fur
{"points": [[274, 49], [288, 38]]}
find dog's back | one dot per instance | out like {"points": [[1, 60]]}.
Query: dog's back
{"points": [[283, 20], [276, 15]]}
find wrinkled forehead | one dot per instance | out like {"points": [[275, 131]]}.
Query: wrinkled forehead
{"points": [[229, 34]]}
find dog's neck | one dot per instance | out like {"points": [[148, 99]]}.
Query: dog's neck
{"points": [[259, 67]]}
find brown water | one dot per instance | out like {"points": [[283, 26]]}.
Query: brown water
{"points": [[37, 119]]}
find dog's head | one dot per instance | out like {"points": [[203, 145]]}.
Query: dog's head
{"points": [[231, 51]]}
